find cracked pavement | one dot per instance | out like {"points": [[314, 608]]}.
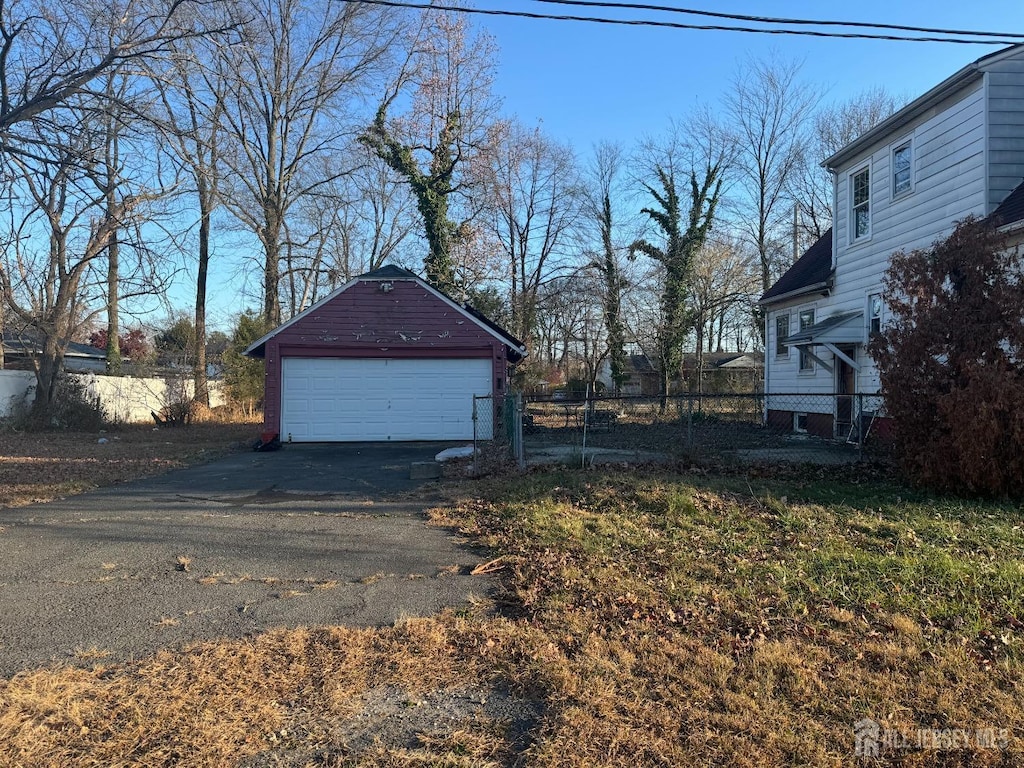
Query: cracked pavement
{"points": [[316, 534]]}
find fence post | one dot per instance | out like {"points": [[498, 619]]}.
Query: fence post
{"points": [[860, 426], [689, 424], [520, 447], [586, 407], [476, 455]]}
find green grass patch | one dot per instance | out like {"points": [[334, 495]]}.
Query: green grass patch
{"points": [[805, 604]]}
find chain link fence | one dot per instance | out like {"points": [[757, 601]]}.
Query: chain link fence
{"points": [[498, 429], [716, 427]]}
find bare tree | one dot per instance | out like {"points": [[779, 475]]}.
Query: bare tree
{"points": [[289, 89], [723, 284], [192, 101], [439, 143], [570, 328], [536, 194], [768, 109], [355, 224], [110, 181], [51, 52], [62, 221], [124, 134], [834, 126]]}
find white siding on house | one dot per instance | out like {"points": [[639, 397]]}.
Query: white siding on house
{"points": [[949, 181], [1006, 128], [785, 376]]}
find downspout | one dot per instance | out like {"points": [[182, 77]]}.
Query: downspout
{"points": [[767, 367]]}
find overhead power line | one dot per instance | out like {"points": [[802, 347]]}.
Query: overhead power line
{"points": [[776, 20], [681, 25]]}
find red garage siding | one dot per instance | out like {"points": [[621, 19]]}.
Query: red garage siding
{"points": [[408, 320]]}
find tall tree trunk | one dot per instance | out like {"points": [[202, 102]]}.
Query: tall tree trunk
{"points": [[273, 223], [47, 369], [112, 161], [113, 300], [202, 386], [612, 300], [272, 269]]}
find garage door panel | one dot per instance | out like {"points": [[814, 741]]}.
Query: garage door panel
{"points": [[340, 399]]}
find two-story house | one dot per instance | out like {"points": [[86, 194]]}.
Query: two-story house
{"points": [[958, 150]]}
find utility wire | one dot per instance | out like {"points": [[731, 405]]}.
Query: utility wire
{"points": [[774, 20], [679, 25]]}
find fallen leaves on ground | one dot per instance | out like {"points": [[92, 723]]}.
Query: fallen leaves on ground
{"points": [[42, 466]]}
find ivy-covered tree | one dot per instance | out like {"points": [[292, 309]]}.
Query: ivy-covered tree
{"points": [[677, 254], [432, 188], [605, 169], [439, 144], [951, 362]]}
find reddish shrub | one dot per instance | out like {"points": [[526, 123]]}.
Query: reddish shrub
{"points": [[952, 362]]}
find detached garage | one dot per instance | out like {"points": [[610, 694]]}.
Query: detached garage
{"points": [[384, 357]]}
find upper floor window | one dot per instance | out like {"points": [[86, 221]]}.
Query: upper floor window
{"points": [[874, 314], [902, 169], [781, 332], [806, 321], [860, 194]]}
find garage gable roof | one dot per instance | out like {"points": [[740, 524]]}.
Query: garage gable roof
{"points": [[387, 273]]}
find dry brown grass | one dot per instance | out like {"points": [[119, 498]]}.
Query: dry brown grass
{"points": [[661, 621], [37, 467], [218, 703]]}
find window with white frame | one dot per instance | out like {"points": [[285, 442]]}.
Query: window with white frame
{"points": [[781, 332], [860, 199], [902, 169], [874, 315], [806, 321]]}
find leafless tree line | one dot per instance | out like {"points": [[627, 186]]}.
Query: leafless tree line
{"points": [[143, 141]]}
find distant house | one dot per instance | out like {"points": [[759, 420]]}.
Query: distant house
{"points": [[720, 372], [21, 347], [957, 150]]}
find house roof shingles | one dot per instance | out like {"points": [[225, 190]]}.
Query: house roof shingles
{"points": [[28, 343], [388, 272], [1011, 210], [811, 271]]}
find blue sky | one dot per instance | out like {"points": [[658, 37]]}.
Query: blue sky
{"points": [[589, 82]]}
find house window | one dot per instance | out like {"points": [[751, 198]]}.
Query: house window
{"points": [[874, 314], [902, 169], [799, 422], [781, 332], [860, 192], [806, 321]]}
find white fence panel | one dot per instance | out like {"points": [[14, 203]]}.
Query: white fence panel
{"points": [[14, 386], [123, 398]]}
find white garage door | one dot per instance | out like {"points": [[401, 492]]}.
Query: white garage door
{"points": [[337, 399]]}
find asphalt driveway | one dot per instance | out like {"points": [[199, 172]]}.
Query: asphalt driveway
{"points": [[321, 534]]}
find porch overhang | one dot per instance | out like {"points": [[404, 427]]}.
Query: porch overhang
{"points": [[845, 328]]}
